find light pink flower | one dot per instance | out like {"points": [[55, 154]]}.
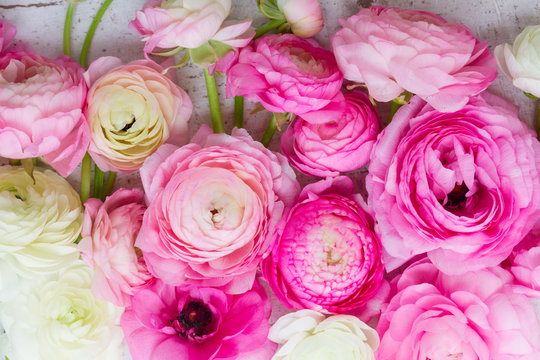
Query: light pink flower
{"points": [[213, 207], [41, 104], [132, 110], [393, 50], [525, 265], [463, 187], [304, 16], [108, 234], [7, 35], [474, 316], [286, 73], [335, 139], [189, 24], [187, 322], [326, 255]]}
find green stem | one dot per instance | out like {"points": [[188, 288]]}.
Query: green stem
{"points": [[86, 169], [270, 130], [213, 101], [537, 125], [269, 26], [108, 185], [393, 109], [98, 182], [239, 111], [91, 31], [67, 28]]}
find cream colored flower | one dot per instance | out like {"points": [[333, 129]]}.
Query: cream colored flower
{"points": [[307, 334], [39, 222], [58, 318]]}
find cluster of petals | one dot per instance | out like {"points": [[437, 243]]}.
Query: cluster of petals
{"points": [[213, 207], [7, 35], [394, 50], [463, 187], [326, 255], [286, 74], [333, 140], [198, 323], [132, 110], [524, 264], [108, 235], [474, 316]]}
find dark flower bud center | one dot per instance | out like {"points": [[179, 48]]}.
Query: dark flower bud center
{"points": [[456, 198], [194, 321]]}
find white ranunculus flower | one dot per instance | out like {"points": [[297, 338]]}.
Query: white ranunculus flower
{"points": [[39, 222], [307, 334], [521, 61], [58, 318]]}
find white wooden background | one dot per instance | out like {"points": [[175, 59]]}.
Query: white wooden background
{"points": [[40, 23]]}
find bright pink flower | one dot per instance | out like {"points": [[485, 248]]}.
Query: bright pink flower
{"points": [[474, 316], [304, 16], [463, 187], [41, 104], [326, 255], [393, 50], [132, 110], [335, 139], [108, 234], [525, 265], [286, 73], [213, 207], [7, 35], [191, 323], [189, 24]]}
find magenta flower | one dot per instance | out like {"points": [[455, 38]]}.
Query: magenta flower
{"points": [[41, 104], [188, 322], [285, 73], [474, 316], [463, 187], [335, 139], [213, 207], [326, 255], [7, 35], [393, 50], [525, 265], [108, 235]]}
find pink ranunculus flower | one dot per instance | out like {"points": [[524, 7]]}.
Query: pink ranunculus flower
{"points": [[132, 110], [393, 50], [7, 35], [326, 255], [190, 24], [335, 139], [41, 104], [286, 74], [213, 208], [197, 323], [463, 187], [108, 235], [525, 265], [304, 16], [474, 316]]}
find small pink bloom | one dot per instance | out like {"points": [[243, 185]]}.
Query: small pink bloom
{"points": [[213, 207], [108, 234], [304, 16], [326, 255], [393, 50], [286, 73], [41, 104], [187, 322], [132, 110], [474, 316], [463, 187], [7, 35], [525, 265], [335, 139]]}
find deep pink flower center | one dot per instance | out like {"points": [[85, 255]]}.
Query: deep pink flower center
{"points": [[457, 197], [194, 321]]}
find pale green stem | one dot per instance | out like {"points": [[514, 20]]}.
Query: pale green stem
{"points": [[239, 111], [109, 185], [269, 26], [213, 101], [86, 170], [393, 109], [98, 182], [91, 31], [67, 28], [269, 133]]}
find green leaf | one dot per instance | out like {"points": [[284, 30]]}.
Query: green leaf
{"points": [[529, 95], [270, 9], [209, 53]]}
